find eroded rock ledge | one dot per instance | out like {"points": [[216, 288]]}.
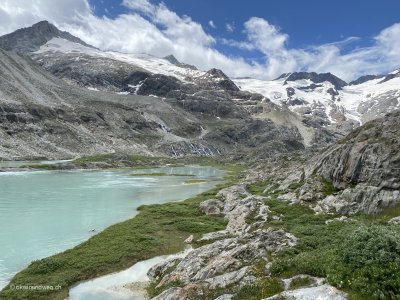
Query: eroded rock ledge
{"points": [[228, 256]]}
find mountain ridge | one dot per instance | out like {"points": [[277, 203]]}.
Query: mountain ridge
{"points": [[322, 107], [30, 39]]}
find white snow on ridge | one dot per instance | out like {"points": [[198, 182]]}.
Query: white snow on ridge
{"points": [[348, 100], [354, 95], [315, 99], [148, 62]]}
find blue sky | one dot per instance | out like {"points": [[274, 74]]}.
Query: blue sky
{"points": [[308, 23], [256, 38]]}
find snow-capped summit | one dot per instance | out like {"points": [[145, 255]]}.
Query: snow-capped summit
{"points": [[30, 39], [328, 98], [216, 79], [317, 78], [394, 74]]}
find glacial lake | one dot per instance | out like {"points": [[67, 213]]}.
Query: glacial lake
{"points": [[46, 212]]}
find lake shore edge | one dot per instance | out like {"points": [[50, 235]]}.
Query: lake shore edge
{"points": [[158, 229]]}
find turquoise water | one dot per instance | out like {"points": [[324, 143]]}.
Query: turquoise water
{"points": [[45, 212]]}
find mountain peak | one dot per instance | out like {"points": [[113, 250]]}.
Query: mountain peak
{"points": [[216, 73], [43, 25], [365, 78], [172, 59], [283, 75], [217, 78], [317, 78], [30, 39]]}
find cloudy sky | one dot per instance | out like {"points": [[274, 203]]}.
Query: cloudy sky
{"points": [[260, 39]]}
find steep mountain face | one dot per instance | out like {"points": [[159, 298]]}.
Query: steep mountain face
{"points": [[317, 78], [172, 59], [359, 173], [365, 78], [43, 116], [30, 39], [395, 74], [364, 168]]}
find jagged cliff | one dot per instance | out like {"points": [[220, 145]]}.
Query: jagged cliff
{"points": [[364, 167]]}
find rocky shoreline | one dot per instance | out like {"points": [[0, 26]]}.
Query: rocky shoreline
{"points": [[229, 256]]}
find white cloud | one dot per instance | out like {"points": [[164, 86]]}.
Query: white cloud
{"points": [[381, 57], [265, 36], [238, 44], [21, 13], [155, 29], [389, 41], [230, 27], [140, 5], [212, 24]]}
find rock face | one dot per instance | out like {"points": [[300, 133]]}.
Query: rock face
{"points": [[317, 78], [43, 116], [326, 292], [390, 76], [365, 78], [364, 167], [30, 39], [216, 79], [101, 73], [228, 256], [172, 59]]}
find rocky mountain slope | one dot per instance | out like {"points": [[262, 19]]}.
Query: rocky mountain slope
{"points": [[323, 102], [359, 173], [364, 168], [251, 257], [101, 104], [26, 40], [42, 116]]}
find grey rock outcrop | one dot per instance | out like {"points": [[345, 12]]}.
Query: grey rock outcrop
{"points": [[364, 168], [211, 207], [394, 221], [172, 59], [216, 79], [326, 292], [99, 73], [365, 78], [391, 76], [229, 254]]}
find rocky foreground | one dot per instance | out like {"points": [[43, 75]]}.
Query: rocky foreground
{"points": [[228, 257], [282, 232]]}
